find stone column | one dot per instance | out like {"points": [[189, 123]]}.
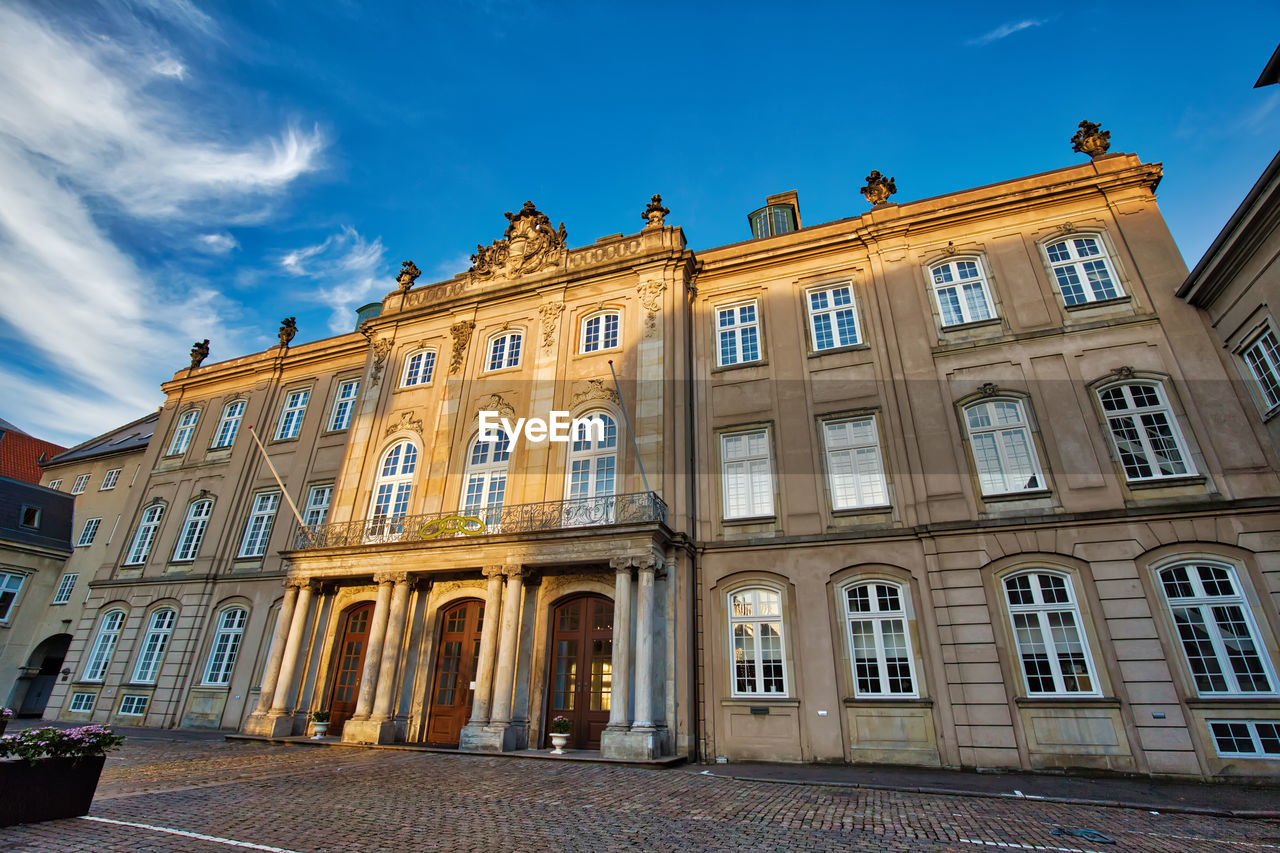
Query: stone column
{"points": [[391, 650], [482, 700], [619, 718], [373, 651], [271, 674], [282, 702], [644, 648], [504, 676]]}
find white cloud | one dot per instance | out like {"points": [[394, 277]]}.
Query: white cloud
{"points": [[343, 272], [80, 140], [218, 244], [1004, 31], [170, 67]]}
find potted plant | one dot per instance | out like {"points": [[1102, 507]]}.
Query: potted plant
{"points": [[50, 774], [561, 728], [320, 720], [6, 715]]}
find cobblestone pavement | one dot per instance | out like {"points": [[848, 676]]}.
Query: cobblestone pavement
{"points": [[171, 793]]}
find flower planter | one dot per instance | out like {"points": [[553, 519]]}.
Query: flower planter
{"points": [[321, 729], [49, 789], [559, 741]]}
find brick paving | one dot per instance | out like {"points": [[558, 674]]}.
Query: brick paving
{"points": [[326, 799]]}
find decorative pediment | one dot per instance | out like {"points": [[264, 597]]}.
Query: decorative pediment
{"points": [[594, 389], [528, 245], [495, 403], [404, 422]]}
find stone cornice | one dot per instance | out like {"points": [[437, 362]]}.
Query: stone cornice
{"points": [[316, 355]]}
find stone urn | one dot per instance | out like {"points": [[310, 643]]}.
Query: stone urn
{"points": [[320, 723], [559, 740]]}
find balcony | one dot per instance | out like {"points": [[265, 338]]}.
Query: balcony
{"points": [[576, 514]]}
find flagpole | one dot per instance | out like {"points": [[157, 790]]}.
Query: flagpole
{"points": [[276, 474], [627, 418]]}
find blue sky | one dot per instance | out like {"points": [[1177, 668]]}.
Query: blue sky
{"points": [[171, 171]]}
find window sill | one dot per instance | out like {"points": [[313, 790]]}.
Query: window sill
{"points": [[883, 701], [855, 511], [722, 368], [1163, 482], [417, 386], [1066, 701], [1219, 703], [1029, 494], [748, 701], [285, 440], [212, 688], [513, 368], [1270, 413], [1098, 303], [330, 432], [859, 347], [971, 325], [749, 519], [609, 351]]}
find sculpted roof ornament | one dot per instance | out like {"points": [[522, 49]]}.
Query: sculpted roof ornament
{"points": [[878, 188], [409, 273], [528, 245], [655, 214], [199, 352], [288, 328], [1091, 139]]}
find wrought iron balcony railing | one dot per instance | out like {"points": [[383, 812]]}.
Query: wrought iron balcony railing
{"points": [[518, 518]]}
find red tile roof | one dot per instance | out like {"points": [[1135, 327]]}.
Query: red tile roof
{"points": [[20, 455]]}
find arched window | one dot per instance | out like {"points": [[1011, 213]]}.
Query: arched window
{"points": [[600, 332], [486, 479], [756, 637], [1144, 431], [504, 350], [193, 531], [182, 435], [961, 289], [593, 470], [879, 640], [104, 645], [145, 535], [229, 425], [1046, 629], [419, 367], [1082, 270], [154, 644], [391, 491], [1003, 452], [1216, 630], [226, 643]]}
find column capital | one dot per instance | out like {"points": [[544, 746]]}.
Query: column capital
{"points": [[298, 582], [390, 577], [494, 571], [622, 564]]}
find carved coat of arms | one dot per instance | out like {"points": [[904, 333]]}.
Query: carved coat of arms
{"points": [[528, 245]]}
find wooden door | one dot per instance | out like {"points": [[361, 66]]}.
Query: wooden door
{"points": [[581, 682], [350, 665], [457, 658]]}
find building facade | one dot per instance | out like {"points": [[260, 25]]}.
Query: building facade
{"points": [[955, 482]]}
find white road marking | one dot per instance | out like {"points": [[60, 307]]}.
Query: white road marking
{"points": [[185, 834], [1013, 845]]}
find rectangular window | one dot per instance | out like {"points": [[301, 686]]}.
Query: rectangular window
{"points": [[193, 531], [81, 483], [344, 404], [833, 317], [81, 703], [146, 534], [600, 332], [133, 706], [1003, 452], [258, 530], [295, 406], [65, 587], [182, 435], [1246, 738], [962, 292], [153, 647], [1263, 358], [31, 516], [109, 480], [104, 646], [747, 474], [1082, 270], [10, 586], [54, 484], [418, 368], [229, 425], [738, 334], [854, 469], [226, 643], [755, 628], [1145, 433], [1046, 628], [317, 511], [88, 532]]}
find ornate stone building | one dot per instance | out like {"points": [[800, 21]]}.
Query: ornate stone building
{"points": [[957, 482]]}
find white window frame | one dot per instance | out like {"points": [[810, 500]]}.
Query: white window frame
{"points": [[81, 703], [484, 483], [1043, 612], [66, 585], [756, 474], [81, 483], [229, 424], [11, 584], [226, 646], [591, 479], [749, 613], [858, 458], [344, 404], [1073, 269], [257, 531], [88, 532], [137, 705], [1255, 737], [292, 414], [831, 313], [964, 279], [419, 368], [1146, 416], [734, 335], [597, 336], [145, 536], [880, 619], [1007, 476], [154, 645], [1208, 606], [184, 432], [109, 480], [501, 358], [193, 530], [317, 509], [54, 484], [104, 646], [1262, 357], [393, 489]]}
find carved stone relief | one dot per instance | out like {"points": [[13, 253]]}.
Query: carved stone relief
{"points": [[655, 214], [406, 421], [461, 332], [550, 313], [593, 389], [878, 188], [1091, 139], [381, 349], [651, 299], [528, 245], [495, 403]]}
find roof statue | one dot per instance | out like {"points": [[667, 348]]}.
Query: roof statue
{"points": [[528, 245], [288, 328], [1091, 139], [409, 273], [878, 188], [655, 214], [199, 352]]}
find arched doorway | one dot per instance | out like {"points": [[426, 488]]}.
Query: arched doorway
{"points": [[349, 666], [45, 662], [581, 660], [453, 686]]}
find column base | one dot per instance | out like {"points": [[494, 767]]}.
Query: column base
{"points": [[272, 725], [494, 737], [633, 744], [369, 731]]}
